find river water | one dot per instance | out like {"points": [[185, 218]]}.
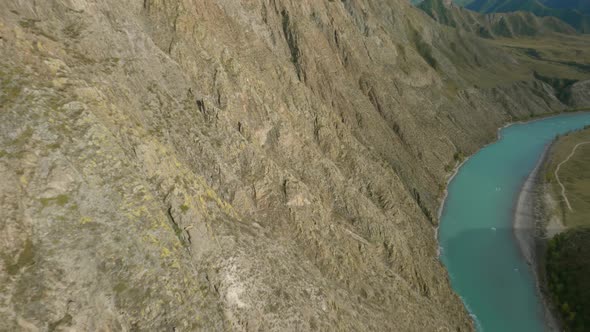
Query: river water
{"points": [[478, 246]]}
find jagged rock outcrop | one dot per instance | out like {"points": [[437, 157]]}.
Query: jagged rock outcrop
{"points": [[494, 25], [578, 95], [236, 165]]}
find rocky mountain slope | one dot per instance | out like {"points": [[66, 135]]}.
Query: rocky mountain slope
{"points": [[237, 165], [578, 94], [494, 25]]}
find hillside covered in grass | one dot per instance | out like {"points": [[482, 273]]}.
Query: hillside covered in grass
{"points": [[553, 50], [568, 253]]}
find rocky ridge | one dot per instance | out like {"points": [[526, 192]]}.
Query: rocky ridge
{"points": [[241, 165]]}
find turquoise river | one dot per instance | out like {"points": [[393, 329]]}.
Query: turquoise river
{"points": [[478, 245]]}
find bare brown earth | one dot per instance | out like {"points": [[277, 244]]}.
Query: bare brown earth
{"points": [[237, 165]]}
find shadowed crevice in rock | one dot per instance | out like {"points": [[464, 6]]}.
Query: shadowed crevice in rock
{"points": [[170, 172]]}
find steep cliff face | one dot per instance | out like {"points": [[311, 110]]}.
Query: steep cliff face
{"points": [[244, 165]]}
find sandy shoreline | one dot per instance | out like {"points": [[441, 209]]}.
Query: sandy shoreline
{"points": [[528, 232]]}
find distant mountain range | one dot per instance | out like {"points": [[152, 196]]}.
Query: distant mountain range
{"points": [[574, 12], [493, 25]]}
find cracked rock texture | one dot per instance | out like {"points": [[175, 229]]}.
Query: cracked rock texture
{"points": [[579, 94], [236, 165]]}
